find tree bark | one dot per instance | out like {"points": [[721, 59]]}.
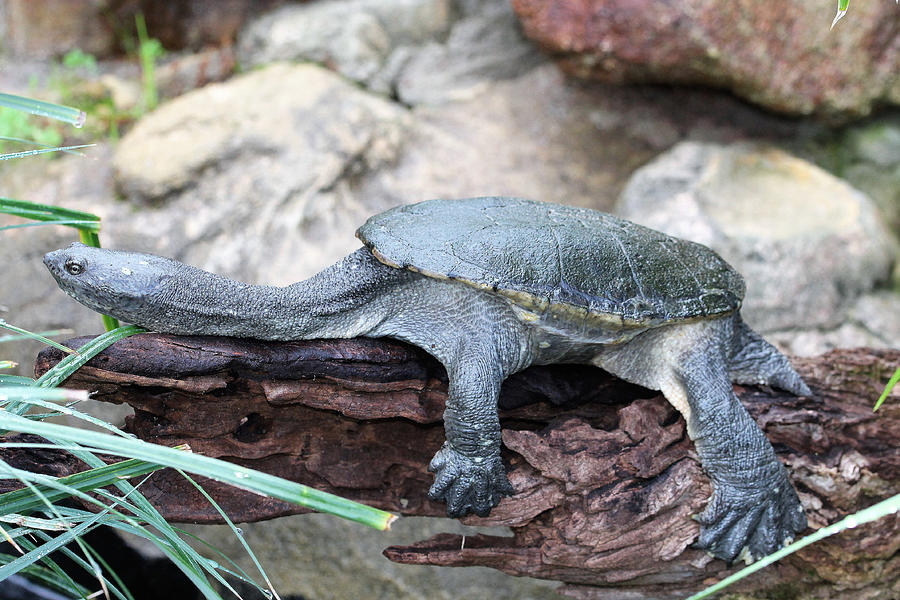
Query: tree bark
{"points": [[606, 479]]}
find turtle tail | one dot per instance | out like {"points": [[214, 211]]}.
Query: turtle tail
{"points": [[755, 361]]}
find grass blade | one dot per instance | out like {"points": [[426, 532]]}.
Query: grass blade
{"points": [[123, 594], [30, 558], [48, 213], [17, 380], [6, 138], [887, 389], [67, 114], [73, 362], [28, 335], [236, 475], [25, 501], [20, 393], [34, 336], [26, 153], [843, 5], [49, 578]]}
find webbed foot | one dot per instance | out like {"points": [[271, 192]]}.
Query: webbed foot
{"points": [[741, 523], [468, 484]]}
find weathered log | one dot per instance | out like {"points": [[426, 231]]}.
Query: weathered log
{"points": [[606, 479]]}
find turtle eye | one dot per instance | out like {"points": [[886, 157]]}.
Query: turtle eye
{"points": [[74, 267]]}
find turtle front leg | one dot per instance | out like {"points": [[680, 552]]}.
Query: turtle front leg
{"points": [[469, 474], [754, 509]]}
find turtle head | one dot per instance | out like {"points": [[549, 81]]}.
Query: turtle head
{"points": [[116, 283]]}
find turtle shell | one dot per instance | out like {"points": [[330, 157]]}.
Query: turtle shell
{"points": [[560, 258]]}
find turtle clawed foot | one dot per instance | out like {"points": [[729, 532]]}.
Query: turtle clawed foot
{"points": [[468, 484], [747, 525]]}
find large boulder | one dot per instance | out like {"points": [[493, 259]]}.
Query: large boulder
{"points": [[809, 244], [784, 59]]}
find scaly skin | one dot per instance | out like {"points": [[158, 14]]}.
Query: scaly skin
{"points": [[481, 338]]}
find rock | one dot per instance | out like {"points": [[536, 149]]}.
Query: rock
{"points": [[485, 45], [868, 157], [808, 243], [125, 93], [872, 321], [520, 137], [185, 72], [421, 51], [352, 37], [269, 155], [786, 60]]}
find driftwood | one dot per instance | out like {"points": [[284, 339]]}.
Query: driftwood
{"points": [[605, 476]]}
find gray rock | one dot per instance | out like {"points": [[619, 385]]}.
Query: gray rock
{"points": [[872, 321], [354, 37], [485, 45], [808, 243], [266, 160], [868, 157], [421, 51]]}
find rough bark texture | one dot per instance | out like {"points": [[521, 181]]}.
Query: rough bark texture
{"points": [[785, 60], [605, 476]]}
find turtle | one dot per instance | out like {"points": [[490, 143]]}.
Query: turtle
{"points": [[489, 286]]}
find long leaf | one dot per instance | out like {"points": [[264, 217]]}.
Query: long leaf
{"points": [[26, 153], [46, 212], [30, 335], [34, 336], [7, 138], [843, 5], [70, 115], [895, 378], [49, 578], [73, 362], [19, 380], [25, 501], [219, 470], [88, 567], [31, 557], [19, 393]]}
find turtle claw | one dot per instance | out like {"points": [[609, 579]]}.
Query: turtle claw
{"points": [[468, 484], [745, 524]]}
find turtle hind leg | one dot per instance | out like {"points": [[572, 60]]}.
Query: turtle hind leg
{"points": [[754, 361], [754, 510]]}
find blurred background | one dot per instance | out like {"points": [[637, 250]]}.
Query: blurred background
{"points": [[251, 138]]}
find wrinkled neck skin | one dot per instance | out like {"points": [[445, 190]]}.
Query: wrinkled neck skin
{"points": [[344, 300]]}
